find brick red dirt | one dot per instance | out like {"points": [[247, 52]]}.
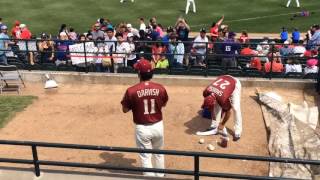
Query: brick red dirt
{"points": [[91, 114]]}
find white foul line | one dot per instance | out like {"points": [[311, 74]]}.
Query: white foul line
{"points": [[258, 17]]}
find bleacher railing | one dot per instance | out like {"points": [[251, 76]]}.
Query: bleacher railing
{"points": [[84, 56], [196, 172]]}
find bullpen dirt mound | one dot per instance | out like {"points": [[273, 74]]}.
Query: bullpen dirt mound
{"points": [[91, 114]]}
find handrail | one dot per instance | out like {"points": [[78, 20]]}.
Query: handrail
{"points": [[197, 155]]}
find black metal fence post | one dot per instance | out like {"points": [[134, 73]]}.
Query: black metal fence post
{"points": [[35, 160], [196, 167], [206, 61], [85, 56], [272, 56]]}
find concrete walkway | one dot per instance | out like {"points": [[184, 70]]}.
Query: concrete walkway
{"points": [[28, 174]]}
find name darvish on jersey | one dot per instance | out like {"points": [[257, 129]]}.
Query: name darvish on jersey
{"points": [[148, 92]]}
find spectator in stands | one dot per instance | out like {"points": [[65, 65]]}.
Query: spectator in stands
{"points": [[62, 47], [142, 24], [315, 38], [96, 32], [311, 66], [255, 63], [176, 50], [15, 31], [82, 38], [72, 34], [110, 39], [63, 28], [299, 50], [25, 32], [143, 46], [229, 50], [132, 57], [102, 53], [26, 35], [166, 38], [295, 36], [293, 66], [154, 34], [214, 31], [284, 35], [200, 47], [286, 51], [182, 29], [277, 66], [122, 28], [1, 24], [4, 44], [244, 38], [133, 31], [263, 50], [163, 62], [121, 54], [157, 50], [247, 51], [309, 52], [46, 49]]}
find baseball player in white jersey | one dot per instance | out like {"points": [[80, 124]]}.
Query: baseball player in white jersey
{"points": [[297, 2], [188, 5], [122, 1]]}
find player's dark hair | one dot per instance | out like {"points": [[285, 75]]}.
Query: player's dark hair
{"points": [[146, 76]]}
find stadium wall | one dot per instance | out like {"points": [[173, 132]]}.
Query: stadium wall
{"points": [[130, 79]]}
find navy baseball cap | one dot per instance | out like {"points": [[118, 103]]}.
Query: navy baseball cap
{"points": [[203, 30]]}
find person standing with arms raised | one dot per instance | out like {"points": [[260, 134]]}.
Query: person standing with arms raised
{"points": [[146, 99]]}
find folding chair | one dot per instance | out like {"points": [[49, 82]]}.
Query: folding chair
{"points": [[10, 78]]}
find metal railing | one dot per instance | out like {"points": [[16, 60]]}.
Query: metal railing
{"points": [[196, 172], [211, 56]]}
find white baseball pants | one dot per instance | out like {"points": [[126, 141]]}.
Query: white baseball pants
{"points": [[297, 2], [151, 137], [125, 0], [235, 103], [188, 5]]}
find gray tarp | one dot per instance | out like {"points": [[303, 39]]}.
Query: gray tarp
{"points": [[291, 133]]}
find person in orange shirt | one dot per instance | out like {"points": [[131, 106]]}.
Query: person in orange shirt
{"points": [[15, 31], [277, 66], [214, 31], [256, 63], [247, 51], [26, 34]]}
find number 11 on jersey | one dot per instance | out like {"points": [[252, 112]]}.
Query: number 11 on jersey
{"points": [[146, 106]]}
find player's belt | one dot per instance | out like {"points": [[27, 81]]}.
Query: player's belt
{"points": [[149, 124]]}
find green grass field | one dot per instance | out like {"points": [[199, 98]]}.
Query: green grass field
{"points": [[268, 15], [10, 105]]}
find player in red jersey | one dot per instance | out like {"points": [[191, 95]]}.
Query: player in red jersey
{"points": [[222, 95], [146, 99]]}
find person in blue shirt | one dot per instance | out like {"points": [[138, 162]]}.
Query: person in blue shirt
{"points": [[284, 35], [295, 36], [4, 42]]}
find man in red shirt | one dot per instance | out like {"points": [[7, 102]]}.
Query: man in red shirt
{"points": [[277, 66], [222, 95], [146, 100]]}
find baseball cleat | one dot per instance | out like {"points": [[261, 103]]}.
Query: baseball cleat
{"points": [[236, 137], [208, 132]]}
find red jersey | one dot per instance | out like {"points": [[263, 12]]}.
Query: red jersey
{"points": [[222, 89], [145, 100]]}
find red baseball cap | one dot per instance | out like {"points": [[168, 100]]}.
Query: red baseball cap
{"points": [[143, 66], [209, 102]]}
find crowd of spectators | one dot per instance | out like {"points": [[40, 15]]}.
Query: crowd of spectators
{"points": [[169, 47]]}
